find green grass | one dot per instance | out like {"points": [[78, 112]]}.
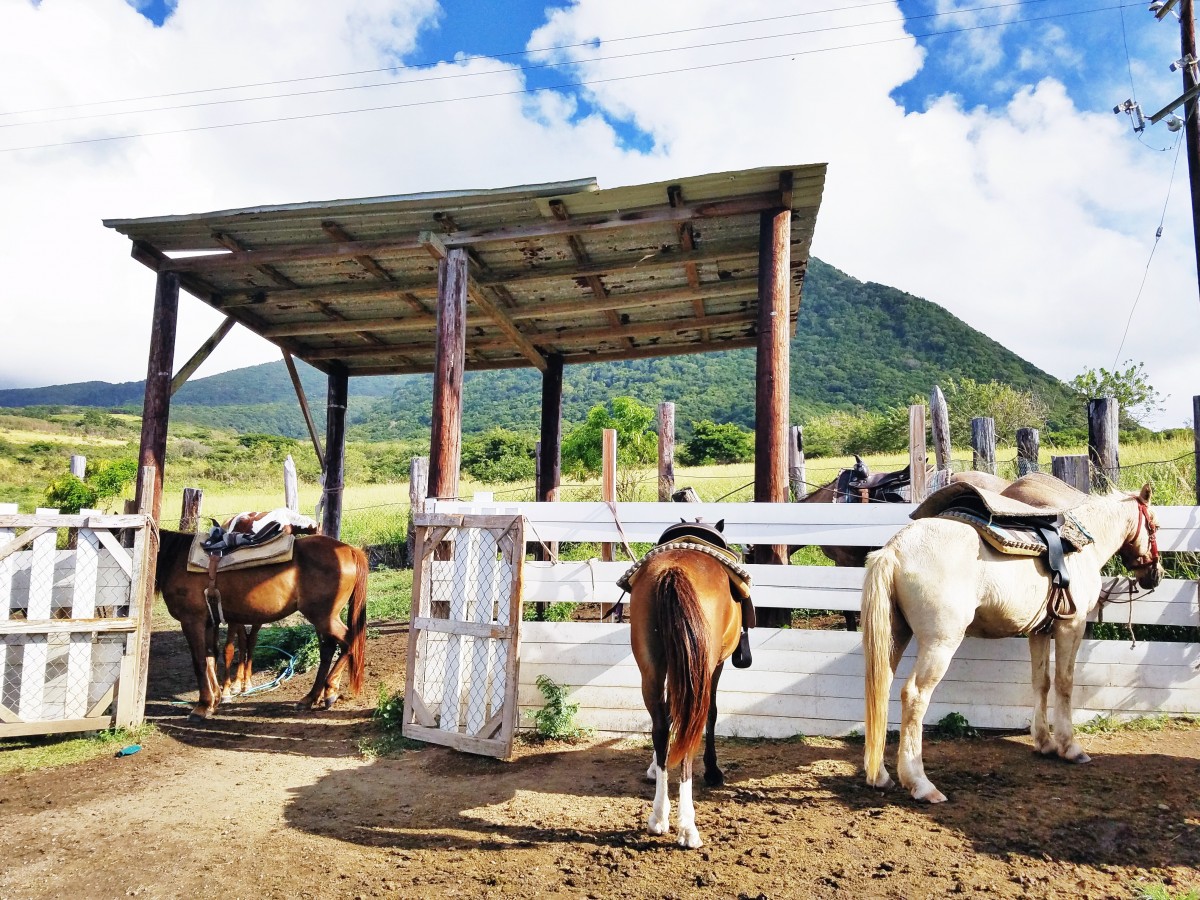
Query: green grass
{"points": [[389, 594], [1160, 891], [388, 719], [50, 751], [1109, 724]]}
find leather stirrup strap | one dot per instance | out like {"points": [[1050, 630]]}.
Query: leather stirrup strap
{"points": [[1062, 604], [212, 596]]}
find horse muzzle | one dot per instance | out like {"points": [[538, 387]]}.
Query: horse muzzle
{"points": [[1149, 576]]}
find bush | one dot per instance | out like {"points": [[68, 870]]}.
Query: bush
{"points": [[110, 477], [713, 444], [637, 444], [556, 720], [499, 456], [69, 494]]}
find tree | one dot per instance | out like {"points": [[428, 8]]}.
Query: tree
{"points": [[711, 443], [1010, 407], [498, 456], [637, 444], [1137, 398]]}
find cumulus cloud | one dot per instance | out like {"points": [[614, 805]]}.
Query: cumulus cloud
{"points": [[1032, 220]]}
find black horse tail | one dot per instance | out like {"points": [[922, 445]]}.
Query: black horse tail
{"points": [[356, 621], [683, 631]]}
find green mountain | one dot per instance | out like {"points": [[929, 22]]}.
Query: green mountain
{"points": [[857, 345]]}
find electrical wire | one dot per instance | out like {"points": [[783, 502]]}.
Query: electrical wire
{"points": [[563, 86]]}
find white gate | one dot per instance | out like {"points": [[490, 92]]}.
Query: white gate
{"points": [[461, 689], [71, 623]]}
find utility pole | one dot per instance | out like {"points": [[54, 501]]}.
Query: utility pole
{"points": [[1191, 121]]}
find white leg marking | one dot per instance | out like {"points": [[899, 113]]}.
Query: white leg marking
{"points": [[689, 836], [660, 815], [652, 772]]}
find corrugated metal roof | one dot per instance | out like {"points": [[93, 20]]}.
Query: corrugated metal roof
{"points": [[563, 268]]}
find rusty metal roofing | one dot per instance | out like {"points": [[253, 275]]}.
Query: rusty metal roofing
{"points": [[564, 268]]}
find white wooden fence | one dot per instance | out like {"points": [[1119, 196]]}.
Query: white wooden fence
{"points": [[72, 641], [809, 681]]}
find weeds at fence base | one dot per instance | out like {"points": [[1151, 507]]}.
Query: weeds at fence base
{"points": [[51, 750], [1105, 723], [955, 727], [388, 718], [555, 721]]}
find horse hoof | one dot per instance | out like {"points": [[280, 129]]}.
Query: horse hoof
{"points": [[689, 838], [714, 777], [329, 701], [933, 795], [652, 773], [200, 714], [1079, 758], [656, 826], [886, 785]]}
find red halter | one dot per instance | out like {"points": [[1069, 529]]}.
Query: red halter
{"points": [[1151, 531]]}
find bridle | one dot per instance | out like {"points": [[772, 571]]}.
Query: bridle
{"points": [[1151, 531]]}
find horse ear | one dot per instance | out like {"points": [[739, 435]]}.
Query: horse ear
{"points": [[721, 525], [1147, 490]]}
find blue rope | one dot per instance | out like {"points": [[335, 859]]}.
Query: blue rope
{"points": [[284, 674]]}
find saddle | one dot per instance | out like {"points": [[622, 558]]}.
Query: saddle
{"points": [[707, 539], [859, 485], [1030, 517]]}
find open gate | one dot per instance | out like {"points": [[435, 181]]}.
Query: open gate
{"points": [[463, 643]]}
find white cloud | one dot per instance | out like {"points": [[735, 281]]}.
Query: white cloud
{"points": [[1031, 221]]}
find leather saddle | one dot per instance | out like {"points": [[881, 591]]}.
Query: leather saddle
{"points": [[859, 485]]}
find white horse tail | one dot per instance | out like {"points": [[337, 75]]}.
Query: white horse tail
{"points": [[877, 651]]}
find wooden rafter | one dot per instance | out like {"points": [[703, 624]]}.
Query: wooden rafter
{"points": [[368, 262], [201, 354], [687, 240], [599, 291]]}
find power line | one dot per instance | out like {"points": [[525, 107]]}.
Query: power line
{"points": [[520, 68], [563, 86]]}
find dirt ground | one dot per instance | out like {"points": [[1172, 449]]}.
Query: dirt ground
{"points": [[266, 801]]}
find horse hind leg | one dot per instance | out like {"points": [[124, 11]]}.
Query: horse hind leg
{"points": [[1039, 659], [653, 684], [931, 665], [713, 776], [689, 835], [318, 697]]}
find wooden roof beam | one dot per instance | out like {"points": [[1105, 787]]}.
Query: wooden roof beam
{"points": [[205, 350], [559, 209], [338, 233], [687, 240]]}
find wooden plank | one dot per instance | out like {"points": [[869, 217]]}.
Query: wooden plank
{"points": [[302, 398], [120, 555], [67, 626], [202, 353], [83, 606], [24, 540], [61, 726], [131, 696], [463, 629], [504, 322], [552, 309], [35, 654], [6, 574], [55, 519], [103, 703]]}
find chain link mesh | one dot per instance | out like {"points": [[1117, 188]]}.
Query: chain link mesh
{"points": [[462, 678]]}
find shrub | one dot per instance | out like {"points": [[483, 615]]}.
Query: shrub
{"points": [[110, 477], [637, 444], [69, 494], [711, 444], [499, 456], [556, 720]]}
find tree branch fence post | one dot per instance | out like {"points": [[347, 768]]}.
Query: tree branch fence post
{"points": [[983, 444], [796, 473], [917, 453], [1074, 470], [189, 510], [1027, 451], [939, 427], [418, 490], [666, 451], [608, 480], [1104, 442]]}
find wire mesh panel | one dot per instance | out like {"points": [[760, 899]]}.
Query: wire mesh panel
{"points": [[68, 621], [463, 656]]}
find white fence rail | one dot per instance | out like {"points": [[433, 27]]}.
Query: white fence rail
{"points": [[805, 681], [70, 623]]}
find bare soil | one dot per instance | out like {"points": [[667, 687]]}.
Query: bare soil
{"points": [[268, 801]]}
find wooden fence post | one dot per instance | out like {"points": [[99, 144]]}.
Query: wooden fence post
{"points": [[1027, 451], [686, 495], [418, 490], [189, 512], [1196, 437], [291, 487], [666, 451], [796, 474], [917, 454], [608, 480], [1104, 442], [939, 426], [983, 443], [1073, 470]]}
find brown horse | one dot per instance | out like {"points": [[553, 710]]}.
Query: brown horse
{"points": [[323, 576], [684, 624]]}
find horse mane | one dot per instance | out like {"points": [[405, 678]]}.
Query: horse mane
{"points": [[171, 545]]}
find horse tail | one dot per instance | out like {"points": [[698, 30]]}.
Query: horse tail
{"points": [[356, 620], [683, 633], [877, 650]]}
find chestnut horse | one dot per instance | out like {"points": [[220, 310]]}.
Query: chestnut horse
{"points": [[323, 576], [937, 580], [684, 624]]}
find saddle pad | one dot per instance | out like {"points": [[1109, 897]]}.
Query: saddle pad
{"points": [[739, 578], [1017, 538], [274, 551]]}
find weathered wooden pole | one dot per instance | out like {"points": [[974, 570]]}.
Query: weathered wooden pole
{"points": [[686, 495], [156, 408], [1104, 442], [335, 450], [1027, 451], [146, 551], [445, 440], [418, 490], [549, 462], [79, 466], [608, 480], [796, 474], [1073, 470], [666, 452], [917, 454], [983, 444], [939, 427], [1196, 441], [189, 511], [291, 486]]}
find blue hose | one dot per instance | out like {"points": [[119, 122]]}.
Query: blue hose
{"points": [[284, 674]]}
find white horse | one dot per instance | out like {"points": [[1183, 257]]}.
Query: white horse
{"points": [[939, 581]]}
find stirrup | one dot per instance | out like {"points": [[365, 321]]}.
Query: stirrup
{"points": [[741, 658]]}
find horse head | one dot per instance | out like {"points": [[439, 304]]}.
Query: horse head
{"points": [[1140, 550]]}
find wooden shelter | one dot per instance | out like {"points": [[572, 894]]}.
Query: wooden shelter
{"points": [[541, 275]]}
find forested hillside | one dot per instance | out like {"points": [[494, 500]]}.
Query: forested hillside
{"points": [[856, 345]]}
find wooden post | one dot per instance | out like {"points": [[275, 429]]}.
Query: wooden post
{"points": [[1027, 451], [1073, 470], [291, 489], [983, 443], [189, 512], [335, 451], [445, 441], [1196, 441], [145, 550], [666, 452], [917, 454], [418, 490], [939, 426], [156, 408], [685, 495], [1104, 442], [303, 400], [79, 466], [549, 462], [608, 480], [796, 473]]}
